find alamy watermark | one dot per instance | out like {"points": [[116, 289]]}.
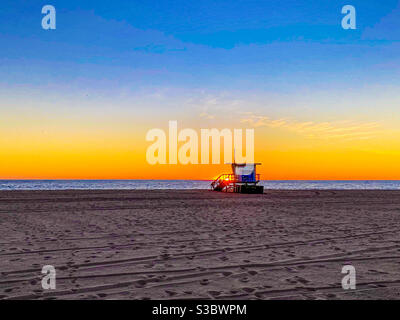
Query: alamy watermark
{"points": [[49, 20], [49, 280], [189, 151], [349, 280], [349, 20]]}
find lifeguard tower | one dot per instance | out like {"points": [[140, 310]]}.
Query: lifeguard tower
{"points": [[243, 179]]}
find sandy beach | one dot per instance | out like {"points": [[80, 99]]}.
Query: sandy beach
{"points": [[171, 244]]}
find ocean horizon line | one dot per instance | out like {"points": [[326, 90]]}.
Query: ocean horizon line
{"points": [[271, 180], [149, 184]]}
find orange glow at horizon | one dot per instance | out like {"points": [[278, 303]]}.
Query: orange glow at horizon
{"points": [[126, 163], [117, 150]]}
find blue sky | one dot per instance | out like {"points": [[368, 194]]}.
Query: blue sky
{"points": [[101, 48], [184, 36]]}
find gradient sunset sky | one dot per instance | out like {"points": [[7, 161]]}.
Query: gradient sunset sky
{"points": [[76, 102]]}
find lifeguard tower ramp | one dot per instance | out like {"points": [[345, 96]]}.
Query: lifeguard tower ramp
{"points": [[243, 179]]}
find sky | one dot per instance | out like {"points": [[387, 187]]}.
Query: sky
{"points": [[76, 102]]}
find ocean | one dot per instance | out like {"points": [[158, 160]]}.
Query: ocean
{"points": [[192, 184]]}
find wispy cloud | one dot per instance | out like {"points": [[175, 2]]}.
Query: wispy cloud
{"points": [[347, 130], [207, 115], [213, 106]]}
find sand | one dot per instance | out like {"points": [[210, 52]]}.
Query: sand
{"points": [[199, 244]]}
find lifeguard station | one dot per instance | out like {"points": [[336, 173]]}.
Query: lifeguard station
{"points": [[243, 179]]}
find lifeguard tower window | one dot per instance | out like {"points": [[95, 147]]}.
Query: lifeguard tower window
{"points": [[244, 172]]}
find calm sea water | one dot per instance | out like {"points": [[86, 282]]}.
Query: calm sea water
{"points": [[188, 184]]}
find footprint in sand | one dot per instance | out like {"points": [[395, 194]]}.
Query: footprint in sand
{"points": [[214, 293], [170, 293], [302, 280], [292, 281], [140, 283]]}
